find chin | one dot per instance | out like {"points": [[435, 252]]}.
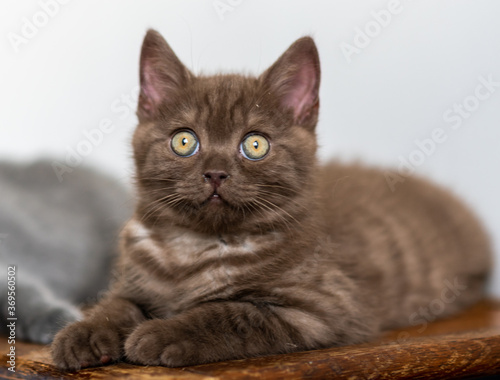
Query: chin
{"points": [[214, 216]]}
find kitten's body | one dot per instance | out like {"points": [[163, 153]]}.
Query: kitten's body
{"points": [[61, 238], [368, 258], [230, 257]]}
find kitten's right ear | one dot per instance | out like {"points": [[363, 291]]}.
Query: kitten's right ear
{"points": [[161, 75]]}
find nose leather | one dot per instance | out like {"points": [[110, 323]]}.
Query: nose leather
{"points": [[215, 177]]}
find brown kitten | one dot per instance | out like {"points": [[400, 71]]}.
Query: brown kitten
{"points": [[241, 245]]}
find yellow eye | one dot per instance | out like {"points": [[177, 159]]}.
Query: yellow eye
{"points": [[184, 143], [254, 147]]}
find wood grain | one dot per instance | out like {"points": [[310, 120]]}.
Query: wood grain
{"points": [[463, 346]]}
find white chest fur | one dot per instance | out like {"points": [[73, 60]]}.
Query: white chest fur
{"points": [[197, 267]]}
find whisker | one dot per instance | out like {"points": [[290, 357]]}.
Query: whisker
{"points": [[254, 205], [286, 222], [160, 190], [279, 208], [171, 203], [282, 196], [277, 187], [156, 179], [157, 204]]}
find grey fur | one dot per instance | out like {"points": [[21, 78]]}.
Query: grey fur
{"points": [[61, 237]]}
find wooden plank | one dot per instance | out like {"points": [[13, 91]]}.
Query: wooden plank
{"points": [[463, 346]]}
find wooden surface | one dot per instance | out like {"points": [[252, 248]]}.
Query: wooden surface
{"points": [[464, 346]]}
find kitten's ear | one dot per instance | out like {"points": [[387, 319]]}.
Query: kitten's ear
{"points": [[161, 75], [295, 78]]}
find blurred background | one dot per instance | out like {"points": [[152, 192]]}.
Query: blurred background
{"points": [[412, 85]]}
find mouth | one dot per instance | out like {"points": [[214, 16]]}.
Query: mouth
{"points": [[215, 198]]}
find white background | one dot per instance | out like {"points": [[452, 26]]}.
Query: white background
{"points": [[71, 73]]}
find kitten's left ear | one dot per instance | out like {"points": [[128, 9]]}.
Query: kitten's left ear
{"points": [[295, 79]]}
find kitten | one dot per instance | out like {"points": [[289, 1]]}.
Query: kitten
{"points": [[241, 245], [61, 238]]}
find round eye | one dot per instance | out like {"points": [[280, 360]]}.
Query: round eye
{"points": [[184, 143], [254, 147]]}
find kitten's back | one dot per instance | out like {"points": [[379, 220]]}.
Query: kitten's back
{"points": [[404, 246]]}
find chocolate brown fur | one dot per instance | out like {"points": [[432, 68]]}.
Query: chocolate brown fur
{"points": [[295, 256]]}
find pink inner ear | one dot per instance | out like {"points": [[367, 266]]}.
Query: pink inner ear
{"points": [[302, 93], [149, 88]]}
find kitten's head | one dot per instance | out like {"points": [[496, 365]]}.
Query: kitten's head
{"points": [[225, 152]]}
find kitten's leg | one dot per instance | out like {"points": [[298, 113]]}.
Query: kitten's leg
{"points": [[98, 339], [225, 330]]}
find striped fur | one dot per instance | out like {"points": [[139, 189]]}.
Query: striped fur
{"points": [[295, 256]]}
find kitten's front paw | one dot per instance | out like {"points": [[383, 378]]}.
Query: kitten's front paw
{"points": [[158, 342], [85, 344]]}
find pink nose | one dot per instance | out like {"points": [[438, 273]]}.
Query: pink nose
{"points": [[215, 177]]}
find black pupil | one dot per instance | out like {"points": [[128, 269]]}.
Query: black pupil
{"points": [[255, 144], [184, 141]]}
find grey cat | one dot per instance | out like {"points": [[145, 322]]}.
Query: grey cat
{"points": [[61, 238]]}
